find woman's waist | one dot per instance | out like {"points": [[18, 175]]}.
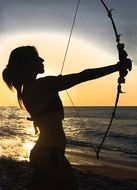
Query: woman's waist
{"points": [[49, 119], [54, 140]]}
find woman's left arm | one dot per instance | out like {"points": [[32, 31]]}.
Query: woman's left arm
{"points": [[59, 83], [63, 82]]}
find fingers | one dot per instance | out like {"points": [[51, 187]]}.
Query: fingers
{"points": [[129, 64], [125, 65], [123, 73]]}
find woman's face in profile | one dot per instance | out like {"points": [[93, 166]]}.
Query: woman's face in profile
{"points": [[40, 65], [37, 64]]}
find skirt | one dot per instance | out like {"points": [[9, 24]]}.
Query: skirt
{"points": [[51, 170]]}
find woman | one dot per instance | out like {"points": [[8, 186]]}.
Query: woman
{"points": [[51, 169]]}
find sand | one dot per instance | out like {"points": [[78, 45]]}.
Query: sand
{"points": [[112, 168], [91, 174]]}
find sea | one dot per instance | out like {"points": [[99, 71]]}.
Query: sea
{"points": [[84, 127]]}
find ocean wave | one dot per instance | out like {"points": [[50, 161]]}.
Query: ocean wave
{"points": [[120, 142]]}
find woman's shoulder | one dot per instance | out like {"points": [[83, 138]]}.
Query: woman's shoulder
{"points": [[48, 80], [38, 84]]}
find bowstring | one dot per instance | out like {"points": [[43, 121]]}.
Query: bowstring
{"points": [[65, 56], [70, 36], [64, 60]]}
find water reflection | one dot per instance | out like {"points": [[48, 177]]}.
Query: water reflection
{"points": [[0, 151], [16, 134], [28, 146]]}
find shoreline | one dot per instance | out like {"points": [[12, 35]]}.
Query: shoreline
{"points": [[98, 175], [115, 169]]}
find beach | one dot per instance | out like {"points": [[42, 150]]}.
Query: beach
{"points": [[103, 174], [98, 175], [116, 169]]}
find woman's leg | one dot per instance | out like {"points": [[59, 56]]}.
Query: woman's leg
{"points": [[42, 176], [68, 181], [43, 181], [52, 171]]}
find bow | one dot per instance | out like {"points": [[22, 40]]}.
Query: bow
{"points": [[122, 60], [122, 54]]}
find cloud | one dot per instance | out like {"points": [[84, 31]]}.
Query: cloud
{"points": [[92, 22]]}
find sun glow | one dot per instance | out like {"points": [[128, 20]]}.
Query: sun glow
{"points": [[28, 146], [82, 54]]}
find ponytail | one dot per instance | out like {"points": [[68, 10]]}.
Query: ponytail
{"points": [[13, 75], [13, 81]]}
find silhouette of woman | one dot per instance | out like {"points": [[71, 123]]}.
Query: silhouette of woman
{"points": [[51, 169]]}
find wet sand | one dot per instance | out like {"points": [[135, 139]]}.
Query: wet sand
{"points": [[112, 168], [103, 175], [91, 174]]}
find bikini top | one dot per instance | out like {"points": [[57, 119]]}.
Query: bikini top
{"points": [[53, 106]]}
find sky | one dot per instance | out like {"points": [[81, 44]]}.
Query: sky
{"points": [[46, 24]]}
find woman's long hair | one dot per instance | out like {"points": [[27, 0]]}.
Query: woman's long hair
{"points": [[14, 73]]}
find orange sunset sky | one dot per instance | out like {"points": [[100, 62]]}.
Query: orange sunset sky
{"points": [[46, 25]]}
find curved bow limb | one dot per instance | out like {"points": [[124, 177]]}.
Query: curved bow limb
{"points": [[122, 60]]}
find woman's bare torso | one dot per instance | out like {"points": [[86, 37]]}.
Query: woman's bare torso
{"points": [[46, 109], [51, 131]]}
